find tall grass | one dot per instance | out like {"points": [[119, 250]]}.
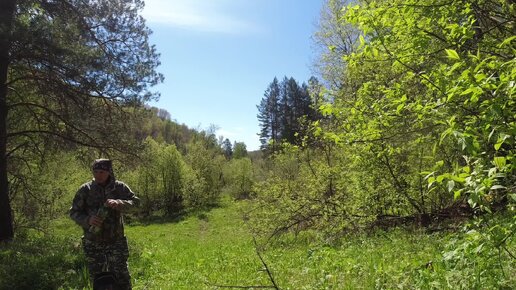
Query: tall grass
{"points": [[214, 250]]}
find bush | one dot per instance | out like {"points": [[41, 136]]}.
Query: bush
{"points": [[239, 178]]}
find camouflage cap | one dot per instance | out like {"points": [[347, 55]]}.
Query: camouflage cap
{"points": [[102, 164]]}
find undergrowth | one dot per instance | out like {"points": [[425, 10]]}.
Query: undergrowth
{"points": [[214, 250]]}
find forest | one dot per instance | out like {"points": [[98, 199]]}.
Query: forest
{"points": [[393, 167]]}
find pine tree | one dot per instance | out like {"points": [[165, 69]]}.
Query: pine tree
{"points": [[295, 104], [227, 149], [74, 69], [269, 117], [281, 111]]}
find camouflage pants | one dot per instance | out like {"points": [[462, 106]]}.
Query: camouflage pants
{"points": [[112, 257]]}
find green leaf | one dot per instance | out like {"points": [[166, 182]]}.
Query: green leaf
{"points": [[399, 108], [497, 186], [499, 162], [452, 54], [326, 109], [375, 52], [507, 41], [451, 185], [501, 140], [362, 40], [458, 178], [467, 91]]}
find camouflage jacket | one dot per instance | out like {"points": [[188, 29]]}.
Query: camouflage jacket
{"points": [[90, 197]]}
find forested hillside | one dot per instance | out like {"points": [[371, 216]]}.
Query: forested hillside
{"points": [[402, 148]]}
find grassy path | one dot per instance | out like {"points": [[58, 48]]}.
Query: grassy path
{"points": [[213, 248]]}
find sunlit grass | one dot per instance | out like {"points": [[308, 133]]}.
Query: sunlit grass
{"points": [[214, 249], [202, 251]]}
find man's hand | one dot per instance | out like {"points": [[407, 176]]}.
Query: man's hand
{"points": [[114, 204], [95, 221]]}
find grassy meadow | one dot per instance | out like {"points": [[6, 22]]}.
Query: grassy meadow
{"points": [[215, 250]]}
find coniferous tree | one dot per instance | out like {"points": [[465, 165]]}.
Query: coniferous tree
{"points": [[227, 149], [295, 104], [68, 72], [289, 92], [269, 116], [281, 110]]}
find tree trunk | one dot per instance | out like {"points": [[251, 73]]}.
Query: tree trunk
{"points": [[6, 23]]}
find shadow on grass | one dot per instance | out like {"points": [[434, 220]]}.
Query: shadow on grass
{"points": [[159, 217], [35, 261]]}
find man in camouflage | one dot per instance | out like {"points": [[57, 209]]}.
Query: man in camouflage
{"points": [[97, 207]]}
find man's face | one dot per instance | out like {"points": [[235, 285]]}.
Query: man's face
{"points": [[100, 176]]}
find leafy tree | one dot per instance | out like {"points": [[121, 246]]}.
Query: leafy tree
{"points": [[334, 39], [172, 168], [423, 103], [205, 178], [68, 71], [439, 57], [239, 150], [239, 177]]}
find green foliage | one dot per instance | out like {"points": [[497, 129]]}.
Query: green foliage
{"points": [[463, 81], [34, 261], [426, 106], [239, 178], [168, 181], [206, 250], [206, 178], [305, 190], [474, 258], [42, 190], [239, 150], [281, 110]]}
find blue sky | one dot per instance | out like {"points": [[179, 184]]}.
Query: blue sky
{"points": [[219, 56]]}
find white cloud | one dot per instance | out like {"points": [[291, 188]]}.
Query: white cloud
{"points": [[199, 15]]}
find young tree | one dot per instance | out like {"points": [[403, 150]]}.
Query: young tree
{"points": [[239, 150], [68, 71]]}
